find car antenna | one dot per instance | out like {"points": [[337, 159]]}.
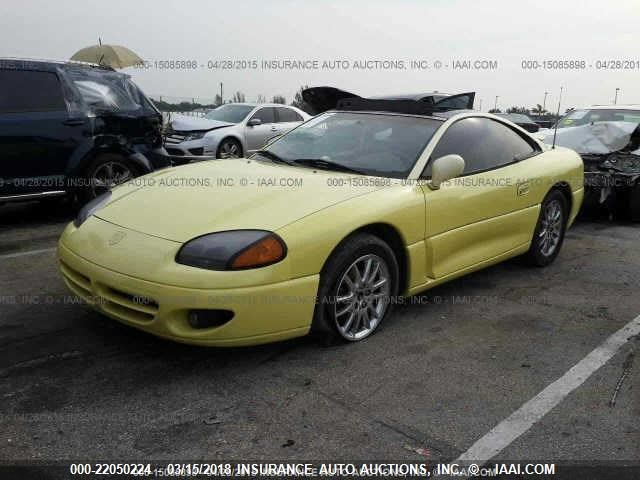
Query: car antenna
{"points": [[555, 130]]}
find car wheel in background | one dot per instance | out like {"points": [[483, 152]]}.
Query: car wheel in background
{"points": [[105, 172], [229, 148], [357, 287], [549, 233], [634, 203]]}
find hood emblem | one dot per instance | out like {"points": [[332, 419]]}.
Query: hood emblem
{"points": [[117, 238]]}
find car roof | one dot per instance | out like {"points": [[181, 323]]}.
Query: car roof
{"points": [[611, 107], [16, 63], [254, 104], [513, 114]]}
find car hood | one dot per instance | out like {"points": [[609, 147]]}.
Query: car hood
{"points": [[218, 195], [183, 123], [594, 138]]}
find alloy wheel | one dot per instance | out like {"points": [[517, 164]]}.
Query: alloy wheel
{"points": [[108, 175], [229, 150], [551, 230], [362, 297]]}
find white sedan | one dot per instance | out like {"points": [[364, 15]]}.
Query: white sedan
{"points": [[232, 130]]}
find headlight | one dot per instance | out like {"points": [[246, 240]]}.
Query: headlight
{"points": [[92, 207], [194, 136], [233, 250]]}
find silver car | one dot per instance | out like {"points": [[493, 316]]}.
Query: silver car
{"points": [[232, 130]]}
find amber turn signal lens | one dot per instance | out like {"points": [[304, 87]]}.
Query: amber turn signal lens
{"points": [[266, 251]]}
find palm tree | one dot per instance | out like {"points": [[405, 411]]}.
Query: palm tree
{"points": [[538, 110]]}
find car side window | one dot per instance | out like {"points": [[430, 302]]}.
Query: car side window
{"points": [[265, 114], [30, 91], [484, 144], [288, 115]]}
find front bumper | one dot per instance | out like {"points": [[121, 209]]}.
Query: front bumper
{"points": [[182, 152], [262, 314]]}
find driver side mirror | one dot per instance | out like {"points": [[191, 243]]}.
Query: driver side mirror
{"points": [[254, 122], [445, 168]]}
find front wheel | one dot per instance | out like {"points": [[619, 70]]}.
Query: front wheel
{"points": [[229, 148], [357, 288], [549, 233]]}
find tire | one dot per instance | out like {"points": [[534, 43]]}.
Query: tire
{"points": [[634, 203], [229, 148], [105, 172], [341, 317], [550, 229]]}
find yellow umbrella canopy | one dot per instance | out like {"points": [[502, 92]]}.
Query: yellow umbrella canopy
{"points": [[115, 56]]}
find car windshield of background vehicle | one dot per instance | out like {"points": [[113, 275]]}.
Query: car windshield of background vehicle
{"points": [[374, 144], [229, 113], [577, 118]]}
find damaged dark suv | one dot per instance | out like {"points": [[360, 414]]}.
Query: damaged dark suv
{"points": [[70, 128]]}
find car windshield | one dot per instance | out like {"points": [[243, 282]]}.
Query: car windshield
{"points": [[229, 113], [369, 143], [576, 118], [107, 91]]}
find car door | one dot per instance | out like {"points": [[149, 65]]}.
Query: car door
{"points": [[287, 119], [488, 211], [37, 137], [257, 135]]}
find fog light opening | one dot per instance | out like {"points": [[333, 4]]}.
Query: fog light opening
{"points": [[200, 319]]}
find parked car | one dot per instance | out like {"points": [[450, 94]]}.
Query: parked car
{"points": [[600, 113], [544, 123], [607, 137], [521, 120], [324, 228], [70, 127], [230, 131]]}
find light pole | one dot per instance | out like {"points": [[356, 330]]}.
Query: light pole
{"points": [[544, 102], [495, 105], [615, 100], [221, 97]]}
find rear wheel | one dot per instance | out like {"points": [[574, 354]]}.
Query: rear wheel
{"points": [[229, 148], [104, 173], [549, 233], [357, 288]]}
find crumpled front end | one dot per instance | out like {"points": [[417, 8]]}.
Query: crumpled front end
{"points": [[611, 155]]}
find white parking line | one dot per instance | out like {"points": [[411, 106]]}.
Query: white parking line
{"points": [[30, 252], [528, 414]]}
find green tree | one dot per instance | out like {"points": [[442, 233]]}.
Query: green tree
{"points": [[279, 99], [538, 110], [518, 110], [238, 97]]}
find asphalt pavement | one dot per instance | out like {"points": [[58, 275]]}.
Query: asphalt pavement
{"points": [[438, 376]]}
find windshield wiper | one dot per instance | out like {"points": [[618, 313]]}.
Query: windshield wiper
{"points": [[273, 157], [327, 165]]}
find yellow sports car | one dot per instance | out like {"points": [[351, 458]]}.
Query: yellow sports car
{"points": [[323, 230]]}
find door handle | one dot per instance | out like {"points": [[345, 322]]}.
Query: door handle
{"points": [[73, 121]]}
